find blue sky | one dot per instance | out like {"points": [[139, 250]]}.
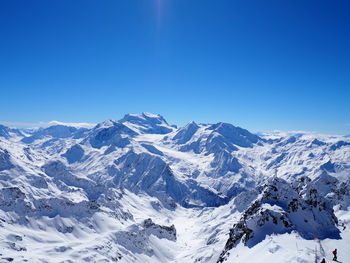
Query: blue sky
{"points": [[262, 65]]}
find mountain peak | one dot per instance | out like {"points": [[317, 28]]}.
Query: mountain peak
{"points": [[185, 133], [152, 115], [147, 123], [234, 134], [145, 116], [105, 124]]}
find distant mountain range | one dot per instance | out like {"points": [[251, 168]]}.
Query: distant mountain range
{"points": [[143, 190]]}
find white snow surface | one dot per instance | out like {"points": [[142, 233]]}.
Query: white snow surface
{"points": [[141, 190]]}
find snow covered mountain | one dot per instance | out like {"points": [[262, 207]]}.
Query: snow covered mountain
{"points": [[142, 190], [7, 132]]}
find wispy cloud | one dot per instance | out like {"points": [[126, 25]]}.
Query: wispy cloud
{"points": [[42, 124]]}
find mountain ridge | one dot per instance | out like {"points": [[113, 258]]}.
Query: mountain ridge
{"points": [[210, 177]]}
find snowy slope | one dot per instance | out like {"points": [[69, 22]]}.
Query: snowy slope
{"points": [[141, 190]]}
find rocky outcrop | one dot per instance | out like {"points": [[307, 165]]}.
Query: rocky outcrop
{"points": [[136, 239], [168, 232], [280, 209]]}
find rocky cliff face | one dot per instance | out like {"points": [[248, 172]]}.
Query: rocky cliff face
{"points": [[281, 207]]}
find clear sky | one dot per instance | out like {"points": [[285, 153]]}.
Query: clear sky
{"points": [[262, 65]]}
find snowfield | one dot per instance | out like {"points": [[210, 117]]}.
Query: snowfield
{"points": [[141, 190]]}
